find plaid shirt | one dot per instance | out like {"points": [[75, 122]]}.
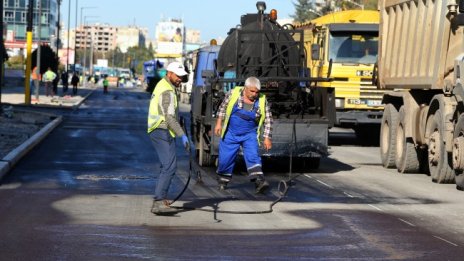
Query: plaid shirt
{"points": [[267, 133]]}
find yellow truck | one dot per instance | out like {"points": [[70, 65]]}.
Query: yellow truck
{"points": [[421, 63], [345, 44]]}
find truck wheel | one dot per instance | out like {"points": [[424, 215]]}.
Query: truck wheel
{"points": [[388, 136], [204, 157], [438, 160], [458, 153], [407, 157]]}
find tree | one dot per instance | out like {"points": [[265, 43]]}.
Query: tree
{"points": [[16, 62], [48, 58], [304, 11]]}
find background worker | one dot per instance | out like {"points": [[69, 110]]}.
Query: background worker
{"points": [[36, 77], [244, 111], [105, 84], [49, 77], [163, 127]]}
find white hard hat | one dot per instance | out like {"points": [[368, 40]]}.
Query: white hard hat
{"points": [[177, 68]]}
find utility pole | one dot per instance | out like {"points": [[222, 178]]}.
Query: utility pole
{"points": [[69, 26], [75, 34], [27, 91], [39, 47], [2, 51], [58, 27]]}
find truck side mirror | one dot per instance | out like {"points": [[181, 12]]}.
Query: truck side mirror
{"points": [[315, 50]]}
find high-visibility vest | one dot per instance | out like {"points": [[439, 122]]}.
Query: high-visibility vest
{"points": [[35, 75], [236, 92], [49, 76], [154, 118]]}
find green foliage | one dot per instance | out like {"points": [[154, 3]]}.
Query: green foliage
{"points": [[16, 62], [133, 58], [48, 58], [303, 11], [302, 6]]}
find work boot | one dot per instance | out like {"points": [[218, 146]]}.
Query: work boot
{"points": [[261, 186], [162, 207], [222, 182]]}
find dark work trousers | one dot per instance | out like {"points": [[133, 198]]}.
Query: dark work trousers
{"points": [[165, 146]]}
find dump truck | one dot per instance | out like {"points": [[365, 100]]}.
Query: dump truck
{"points": [[421, 62], [347, 41], [263, 48]]}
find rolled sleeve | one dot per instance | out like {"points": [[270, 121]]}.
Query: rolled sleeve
{"points": [[168, 110], [267, 133], [222, 108]]}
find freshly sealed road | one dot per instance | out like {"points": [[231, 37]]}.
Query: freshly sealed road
{"points": [[85, 194]]}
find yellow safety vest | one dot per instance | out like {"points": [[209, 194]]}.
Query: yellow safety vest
{"points": [[236, 92], [154, 118]]}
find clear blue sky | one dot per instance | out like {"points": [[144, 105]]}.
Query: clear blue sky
{"points": [[213, 18]]}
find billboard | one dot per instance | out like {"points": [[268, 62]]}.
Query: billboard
{"points": [[169, 36], [65, 57]]}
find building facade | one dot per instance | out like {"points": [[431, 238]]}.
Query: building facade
{"points": [[101, 37], [15, 17], [130, 37]]}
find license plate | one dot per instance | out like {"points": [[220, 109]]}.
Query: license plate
{"points": [[374, 102], [364, 73]]}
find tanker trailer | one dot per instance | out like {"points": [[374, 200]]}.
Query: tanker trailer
{"points": [[261, 47], [421, 61]]}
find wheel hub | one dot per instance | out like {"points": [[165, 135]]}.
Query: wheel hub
{"points": [[458, 153], [434, 153]]}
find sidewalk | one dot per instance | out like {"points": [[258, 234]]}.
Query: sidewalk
{"points": [[15, 96]]}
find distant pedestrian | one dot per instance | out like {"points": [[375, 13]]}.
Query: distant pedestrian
{"points": [[64, 81], [49, 77], [74, 83], [55, 85], [105, 85]]}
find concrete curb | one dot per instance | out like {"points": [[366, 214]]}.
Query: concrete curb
{"points": [[12, 158], [75, 106]]}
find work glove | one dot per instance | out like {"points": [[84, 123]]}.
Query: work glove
{"points": [[185, 142]]}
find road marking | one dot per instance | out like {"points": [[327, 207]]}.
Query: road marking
{"points": [[449, 242], [409, 223], [351, 196], [372, 206], [325, 184]]}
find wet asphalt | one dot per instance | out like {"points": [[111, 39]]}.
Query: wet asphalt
{"points": [[85, 194]]}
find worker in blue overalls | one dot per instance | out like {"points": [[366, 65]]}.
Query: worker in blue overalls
{"points": [[240, 119]]}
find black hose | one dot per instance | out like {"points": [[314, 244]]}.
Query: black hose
{"points": [[282, 187]]}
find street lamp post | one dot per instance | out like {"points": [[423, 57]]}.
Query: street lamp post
{"points": [[80, 30], [1, 55], [85, 45]]}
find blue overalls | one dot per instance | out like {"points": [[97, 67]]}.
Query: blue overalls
{"points": [[241, 131]]}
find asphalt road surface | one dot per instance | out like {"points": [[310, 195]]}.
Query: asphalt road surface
{"points": [[86, 191]]}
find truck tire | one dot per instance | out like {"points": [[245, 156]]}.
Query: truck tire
{"points": [[388, 136], [438, 159], [407, 156], [204, 156], [458, 153]]}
